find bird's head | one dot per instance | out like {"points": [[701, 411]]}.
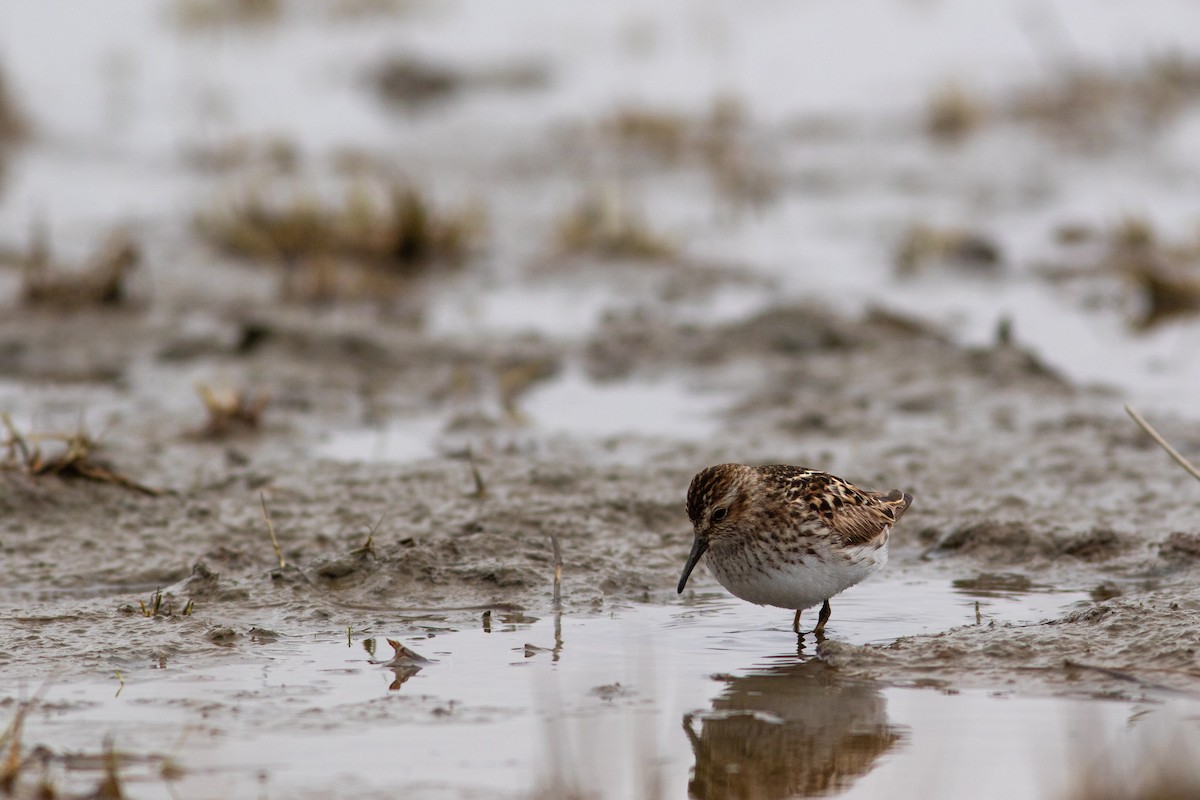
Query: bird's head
{"points": [[716, 501]]}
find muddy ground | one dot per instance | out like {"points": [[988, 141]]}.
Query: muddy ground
{"points": [[388, 268], [1015, 472]]}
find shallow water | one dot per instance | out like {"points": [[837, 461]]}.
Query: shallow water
{"points": [[708, 693], [567, 407]]}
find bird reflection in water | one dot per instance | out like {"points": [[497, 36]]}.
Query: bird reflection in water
{"points": [[795, 730]]}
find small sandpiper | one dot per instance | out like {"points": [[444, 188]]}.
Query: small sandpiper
{"points": [[789, 537]]}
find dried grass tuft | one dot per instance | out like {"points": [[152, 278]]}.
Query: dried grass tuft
{"points": [[717, 141], [68, 456], [661, 133], [231, 411], [924, 246], [102, 282], [1165, 277], [410, 83], [13, 125], [603, 225], [390, 232], [1097, 107], [197, 16], [953, 113]]}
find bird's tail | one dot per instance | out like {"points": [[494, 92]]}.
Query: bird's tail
{"points": [[897, 502]]}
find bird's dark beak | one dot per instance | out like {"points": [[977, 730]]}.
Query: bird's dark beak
{"points": [[698, 548]]}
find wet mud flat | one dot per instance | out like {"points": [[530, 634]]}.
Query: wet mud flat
{"points": [[281, 390], [169, 618]]}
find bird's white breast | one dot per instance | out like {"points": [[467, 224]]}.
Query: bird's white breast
{"points": [[797, 585]]}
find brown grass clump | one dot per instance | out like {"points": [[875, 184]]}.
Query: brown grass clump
{"points": [[953, 113], [517, 376], [603, 225], [399, 235], [192, 16], [13, 127], [1098, 107], [1165, 277], [1166, 294], [1160, 279], [231, 410], [1092, 107], [410, 83], [662, 133], [923, 246], [102, 281], [718, 141], [66, 455]]}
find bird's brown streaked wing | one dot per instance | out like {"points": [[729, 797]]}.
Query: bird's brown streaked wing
{"points": [[863, 519]]}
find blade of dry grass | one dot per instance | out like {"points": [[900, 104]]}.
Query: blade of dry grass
{"points": [[271, 530], [557, 571], [1171, 451]]}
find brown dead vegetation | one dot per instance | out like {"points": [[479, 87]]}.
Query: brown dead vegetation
{"points": [[718, 141], [392, 231], [953, 113], [231, 411], [1099, 106], [1165, 276], [1161, 279], [604, 225], [925, 246], [411, 83], [1084, 106], [13, 125], [195, 16], [102, 282], [65, 455]]}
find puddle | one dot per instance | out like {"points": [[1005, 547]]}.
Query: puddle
{"points": [[709, 695], [399, 441], [656, 409], [570, 406]]}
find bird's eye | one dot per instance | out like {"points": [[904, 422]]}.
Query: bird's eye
{"points": [[720, 514]]}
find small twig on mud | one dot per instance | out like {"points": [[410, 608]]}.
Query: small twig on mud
{"points": [[557, 570], [271, 530], [1171, 451]]}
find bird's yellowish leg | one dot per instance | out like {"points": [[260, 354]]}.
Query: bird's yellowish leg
{"points": [[796, 623]]}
